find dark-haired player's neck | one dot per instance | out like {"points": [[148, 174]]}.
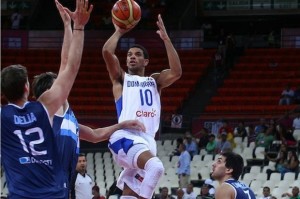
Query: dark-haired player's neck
{"points": [[19, 102]]}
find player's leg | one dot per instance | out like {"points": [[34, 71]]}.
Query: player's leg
{"points": [[145, 175], [136, 152], [154, 170]]}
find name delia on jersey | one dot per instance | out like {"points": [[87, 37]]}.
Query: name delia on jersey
{"points": [[24, 119]]}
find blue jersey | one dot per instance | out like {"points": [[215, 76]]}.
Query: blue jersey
{"points": [[242, 191], [66, 131], [29, 152]]}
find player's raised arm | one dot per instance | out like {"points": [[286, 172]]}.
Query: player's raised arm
{"points": [[108, 52], [67, 36], [121, 27], [168, 76], [59, 92]]}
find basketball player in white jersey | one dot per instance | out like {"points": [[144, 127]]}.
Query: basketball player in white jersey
{"points": [[138, 97]]}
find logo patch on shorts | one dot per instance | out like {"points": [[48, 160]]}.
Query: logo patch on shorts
{"points": [[139, 178]]}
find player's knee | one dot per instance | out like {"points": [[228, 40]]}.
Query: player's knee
{"points": [[154, 170], [155, 166]]}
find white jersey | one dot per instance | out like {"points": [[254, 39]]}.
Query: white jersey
{"points": [[141, 101]]}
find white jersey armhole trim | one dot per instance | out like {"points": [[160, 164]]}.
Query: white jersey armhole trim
{"points": [[66, 108], [46, 110]]}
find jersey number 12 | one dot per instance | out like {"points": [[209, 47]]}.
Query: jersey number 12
{"points": [[40, 140]]}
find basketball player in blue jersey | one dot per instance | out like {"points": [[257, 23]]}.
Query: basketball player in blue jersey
{"points": [[28, 147], [226, 170], [138, 97], [66, 128]]}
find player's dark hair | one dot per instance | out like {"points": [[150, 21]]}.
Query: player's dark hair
{"points": [[42, 82], [13, 80], [145, 52], [235, 162]]}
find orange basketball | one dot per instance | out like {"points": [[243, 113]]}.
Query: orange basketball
{"points": [[126, 13]]}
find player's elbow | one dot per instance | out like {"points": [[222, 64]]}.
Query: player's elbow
{"points": [[177, 73], [106, 51]]}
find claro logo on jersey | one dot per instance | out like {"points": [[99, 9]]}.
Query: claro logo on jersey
{"points": [[141, 113], [32, 160]]}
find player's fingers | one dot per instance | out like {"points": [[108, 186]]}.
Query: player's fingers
{"points": [[58, 5], [160, 20], [142, 127], [70, 13], [158, 24], [81, 6], [86, 3], [77, 4], [159, 17], [90, 8]]}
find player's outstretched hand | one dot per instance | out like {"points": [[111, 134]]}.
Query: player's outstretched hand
{"points": [[63, 14], [82, 13], [161, 29], [133, 125]]}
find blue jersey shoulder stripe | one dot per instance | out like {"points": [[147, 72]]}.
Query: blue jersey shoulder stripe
{"points": [[65, 132]]}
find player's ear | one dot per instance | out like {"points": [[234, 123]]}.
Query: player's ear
{"points": [[229, 170], [26, 87], [146, 62]]}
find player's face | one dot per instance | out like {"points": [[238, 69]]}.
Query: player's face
{"points": [[135, 59], [219, 168]]}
